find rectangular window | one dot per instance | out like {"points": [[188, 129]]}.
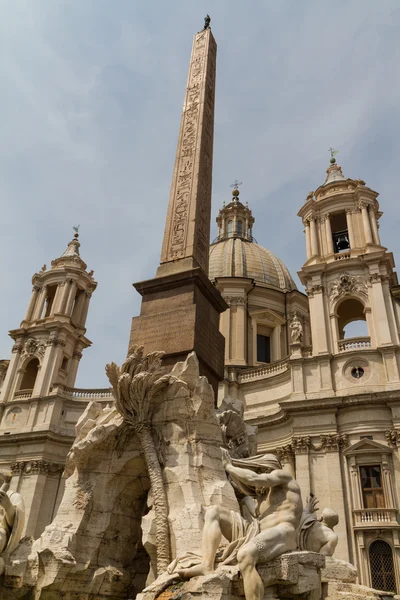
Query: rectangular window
{"points": [[263, 348], [339, 232], [372, 489]]}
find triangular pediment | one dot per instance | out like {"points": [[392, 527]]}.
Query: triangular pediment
{"points": [[366, 446], [268, 315]]}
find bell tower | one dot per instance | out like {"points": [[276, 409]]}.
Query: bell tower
{"points": [[348, 273], [49, 342]]}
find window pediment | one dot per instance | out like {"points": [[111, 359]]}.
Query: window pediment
{"points": [[366, 446]]}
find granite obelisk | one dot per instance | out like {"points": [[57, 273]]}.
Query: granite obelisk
{"points": [[180, 307]]}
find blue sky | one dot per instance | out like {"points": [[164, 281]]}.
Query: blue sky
{"points": [[91, 98]]}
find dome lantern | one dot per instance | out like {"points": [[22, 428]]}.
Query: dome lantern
{"points": [[235, 220]]}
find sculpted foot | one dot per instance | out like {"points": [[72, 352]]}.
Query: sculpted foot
{"points": [[196, 571]]}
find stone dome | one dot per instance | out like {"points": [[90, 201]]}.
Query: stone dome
{"points": [[237, 257]]}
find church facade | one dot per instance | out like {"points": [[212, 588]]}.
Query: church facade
{"points": [[325, 399]]}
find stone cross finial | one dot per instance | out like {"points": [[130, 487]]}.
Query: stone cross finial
{"points": [[235, 185]]}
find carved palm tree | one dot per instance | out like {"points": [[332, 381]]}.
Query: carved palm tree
{"points": [[136, 387]]}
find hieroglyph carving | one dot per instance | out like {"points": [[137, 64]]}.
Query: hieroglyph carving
{"points": [[137, 386], [345, 285], [190, 200]]}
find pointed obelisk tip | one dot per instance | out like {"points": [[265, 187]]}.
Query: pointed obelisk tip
{"points": [[187, 230]]}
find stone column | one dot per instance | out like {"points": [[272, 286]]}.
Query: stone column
{"points": [[78, 310], [350, 229], [314, 238], [366, 223], [381, 325], [276, 342], [40, 304], [57, 298], [32, 302], [308, 239], [85, 308], [71, 298], [374, 225], [8, 386], [328, 231], [318, 322], [333, 470], [286, 457], [301, 446], [187, 231], [64, 295], [73, 369], [334, 331]]}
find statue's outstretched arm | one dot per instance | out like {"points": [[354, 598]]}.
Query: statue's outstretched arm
{"points": [[252, 479]]}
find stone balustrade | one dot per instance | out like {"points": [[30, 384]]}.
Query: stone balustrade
{"points": [[355, 343], [23, 394], [375, 516], [83, 394], [342, 256], [264, 372]]}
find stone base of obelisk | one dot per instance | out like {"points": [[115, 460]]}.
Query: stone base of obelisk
{"points": [[180, 314]]}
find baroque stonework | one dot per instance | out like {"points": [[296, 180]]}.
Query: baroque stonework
{"points": [[35, 467], [33, 347], [345, 285]]}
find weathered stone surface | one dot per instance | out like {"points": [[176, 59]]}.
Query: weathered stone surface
{"points": [[338, 570], [293, 575]]}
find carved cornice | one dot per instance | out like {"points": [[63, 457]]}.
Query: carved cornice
{"points": [[17, 347], [329, 443], [55, 342], [77, 354], [314, 289], [36, 467], [234, 300], [301, 444], [285, 454]]}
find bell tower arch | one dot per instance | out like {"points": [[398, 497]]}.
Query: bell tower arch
{"points": [[348, 273], [49, 342]]}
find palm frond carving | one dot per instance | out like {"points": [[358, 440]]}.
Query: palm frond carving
{"points": [[137, 386]]}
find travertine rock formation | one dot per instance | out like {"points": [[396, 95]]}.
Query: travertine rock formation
{"points": [[93, 549]]}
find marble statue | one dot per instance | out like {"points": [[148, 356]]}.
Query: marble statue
{"points": [[317, 535], [12, 516], [296, 330], [272, 508]]}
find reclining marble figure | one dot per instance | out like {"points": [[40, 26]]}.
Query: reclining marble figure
{"points": [[12, 517], [273, 509]]}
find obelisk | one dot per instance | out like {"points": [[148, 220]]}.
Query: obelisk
{"points": [[180, 307], [187, 230]]}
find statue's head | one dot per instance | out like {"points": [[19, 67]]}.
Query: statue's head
{"points": [[330, 517]]}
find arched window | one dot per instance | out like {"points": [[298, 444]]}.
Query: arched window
{"points": [[351, 319], [29, 378], [230, 228], [239, 228], [382, 566]]}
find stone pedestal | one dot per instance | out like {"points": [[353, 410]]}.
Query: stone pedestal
{"points": [[296, 575], [180, 314]]}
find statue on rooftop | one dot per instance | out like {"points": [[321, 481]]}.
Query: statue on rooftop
{"points": [[207, 21], [272, 507]]}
